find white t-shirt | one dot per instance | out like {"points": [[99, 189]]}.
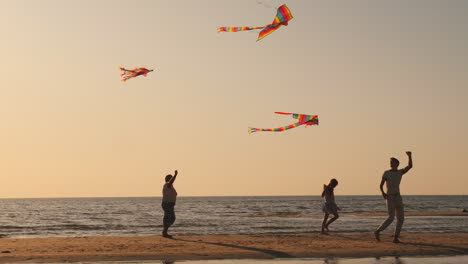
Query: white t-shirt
{"points": [[393, 179], [169, 193]]}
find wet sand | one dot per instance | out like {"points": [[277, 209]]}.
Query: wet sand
{"points": [[92, 249], [448, 213]]}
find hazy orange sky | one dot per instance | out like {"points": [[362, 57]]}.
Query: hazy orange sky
{"points": [[383, 76]]}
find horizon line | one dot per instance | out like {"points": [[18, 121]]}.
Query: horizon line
{"points": [[215, 196]]}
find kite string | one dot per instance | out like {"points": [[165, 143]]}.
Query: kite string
{"points": [[274, 4]]}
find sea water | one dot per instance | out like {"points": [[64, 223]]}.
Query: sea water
{"points": [[76, 217]]}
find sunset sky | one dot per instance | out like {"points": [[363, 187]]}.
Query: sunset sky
{"points": [[384, 77]]}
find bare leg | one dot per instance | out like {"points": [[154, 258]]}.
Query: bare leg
{"points": [[164, 233], [391, 215], [400, 215], [335, 216], [377, 235], [325, 218], [169, 218]]}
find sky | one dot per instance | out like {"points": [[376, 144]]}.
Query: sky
{"points": [[384, 77]]}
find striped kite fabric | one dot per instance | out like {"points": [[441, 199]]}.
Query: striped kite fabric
{"points": [[306, 120], [283, 15]]}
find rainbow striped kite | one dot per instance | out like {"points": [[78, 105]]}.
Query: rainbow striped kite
{"points": [[283, 15], [127, 74], [306, 120]]}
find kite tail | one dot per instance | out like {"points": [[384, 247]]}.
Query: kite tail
{"points": [[252, 129], [124, 71], [277, 129], [236, 29]]}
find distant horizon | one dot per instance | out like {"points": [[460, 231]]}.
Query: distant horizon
{"points": [[207, 196]]}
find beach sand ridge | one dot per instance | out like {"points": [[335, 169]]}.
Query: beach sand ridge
{"points": [[227, 247]]}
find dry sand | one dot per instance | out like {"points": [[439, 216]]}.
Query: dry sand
{"points": [[226, 247]]}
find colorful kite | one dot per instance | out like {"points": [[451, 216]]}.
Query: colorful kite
{"points": [[283, 15], [127, 74], [306, 120]]}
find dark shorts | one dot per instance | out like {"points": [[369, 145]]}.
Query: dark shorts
{"points": [[169, 214]]}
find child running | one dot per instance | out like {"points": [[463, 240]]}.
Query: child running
{"points": [[329, 206]]}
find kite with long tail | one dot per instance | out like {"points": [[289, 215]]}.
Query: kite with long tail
{"points": [[306, 120], [283, 15], [127, 74]]}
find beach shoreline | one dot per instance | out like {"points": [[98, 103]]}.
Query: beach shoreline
{"points": [[205, 247]]}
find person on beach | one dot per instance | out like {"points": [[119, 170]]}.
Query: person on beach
{"points": [[394, 201], [168, 203], [329, 206]]}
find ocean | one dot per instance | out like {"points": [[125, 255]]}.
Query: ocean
{"points": [[79, 217]]}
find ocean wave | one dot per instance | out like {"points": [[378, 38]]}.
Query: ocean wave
{"points": [[13, 227], [275, 214]]}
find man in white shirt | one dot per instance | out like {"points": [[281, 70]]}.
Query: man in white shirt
{"points": [[394, 201], [168, 203]]}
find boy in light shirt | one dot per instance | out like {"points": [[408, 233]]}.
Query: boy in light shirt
{"points": [[394, 201]]}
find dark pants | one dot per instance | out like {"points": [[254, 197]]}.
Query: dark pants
{"points": [[169, 214]]}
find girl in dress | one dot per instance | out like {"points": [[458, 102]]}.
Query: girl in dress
{"points": [[329, 206]]}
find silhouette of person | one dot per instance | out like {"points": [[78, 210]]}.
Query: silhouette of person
{"points": [[329, 206], [393, 178], [168, 203]]}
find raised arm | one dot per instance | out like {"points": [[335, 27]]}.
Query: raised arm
{"points": [[381, 188], [173, 178], [410, 163]]}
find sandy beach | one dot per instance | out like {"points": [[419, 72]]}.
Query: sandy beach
{"points": [[226, 247]]}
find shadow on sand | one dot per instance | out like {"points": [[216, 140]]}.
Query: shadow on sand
{"points": [[458, 250], [273, 253]]}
